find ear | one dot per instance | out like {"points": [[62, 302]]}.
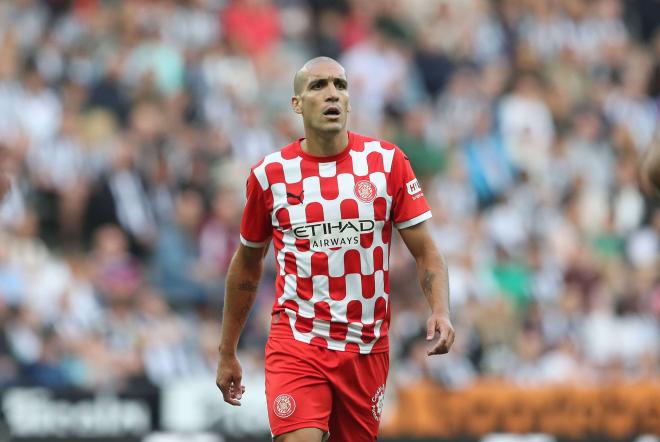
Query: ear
{"points": [[296, 105], [348, 108]]}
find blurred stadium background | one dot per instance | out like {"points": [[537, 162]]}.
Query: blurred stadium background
{"points": [[127, 129]]}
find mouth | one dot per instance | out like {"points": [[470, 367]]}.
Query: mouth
{"points": [[332, 113]]}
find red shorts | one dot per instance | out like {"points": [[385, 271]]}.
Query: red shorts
{"points": [[308, 386]]}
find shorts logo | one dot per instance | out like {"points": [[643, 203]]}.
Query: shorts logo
{"points": [[378, 399], [284, 406], [413, 187], [365, 191]]}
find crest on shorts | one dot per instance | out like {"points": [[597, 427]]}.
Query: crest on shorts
{"points": [[377, 400], [365, 191], [284, 406]]}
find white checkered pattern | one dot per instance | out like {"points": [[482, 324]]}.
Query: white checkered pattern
{"points": [[337, 297]]}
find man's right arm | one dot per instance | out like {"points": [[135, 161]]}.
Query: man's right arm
{"points": [[241, 288]]}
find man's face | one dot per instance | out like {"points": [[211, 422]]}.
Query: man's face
{"points": [[323, 98]]}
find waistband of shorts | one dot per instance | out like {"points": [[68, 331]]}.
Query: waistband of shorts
{"points": [[282, 332]]}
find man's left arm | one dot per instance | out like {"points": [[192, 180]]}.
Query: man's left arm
{"points": [[433, 278]]}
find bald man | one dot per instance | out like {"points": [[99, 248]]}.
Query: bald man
{"points": [[328, 202]]}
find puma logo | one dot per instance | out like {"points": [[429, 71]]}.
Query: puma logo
{"points": [[292, 198]]}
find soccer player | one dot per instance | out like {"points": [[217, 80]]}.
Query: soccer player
{"points": [[329, 202]]}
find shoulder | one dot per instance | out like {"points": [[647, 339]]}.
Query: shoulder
{"points": [[390, 152], [284, 153], [273, 163]]}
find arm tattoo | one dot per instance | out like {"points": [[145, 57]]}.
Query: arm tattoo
{"points": [[427, 284], [250, 288], [247, 286]]}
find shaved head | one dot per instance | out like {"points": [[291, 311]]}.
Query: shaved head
{"points": [[321, 96], [301, 76]]}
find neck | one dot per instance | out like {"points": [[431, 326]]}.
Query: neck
{"points": [[324, 144]]}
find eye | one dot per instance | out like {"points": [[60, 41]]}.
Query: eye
{"points": [[316, 86]]}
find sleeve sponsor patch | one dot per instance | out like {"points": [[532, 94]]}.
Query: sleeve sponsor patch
{"points": [[413, 187]]}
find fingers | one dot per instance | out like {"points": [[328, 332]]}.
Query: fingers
{"points": [[232, 390], [238, 387], [430, 329], [440, 348], [229, 394], [224, 389], [445, 341]]}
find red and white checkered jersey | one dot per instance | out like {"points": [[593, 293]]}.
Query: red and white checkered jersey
{"points": [[330, 219]]}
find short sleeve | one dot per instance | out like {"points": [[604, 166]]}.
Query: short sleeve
{"points": [[409, 207], [256, 224]]}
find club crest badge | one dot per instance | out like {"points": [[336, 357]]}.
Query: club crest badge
{"points": [[377, 400], [365, 191], [284, 406]]}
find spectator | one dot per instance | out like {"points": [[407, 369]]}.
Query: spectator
{"points": [[426, 158], [176, 267], [120, 198], [489, 167], [251, 25], [526, 124]]}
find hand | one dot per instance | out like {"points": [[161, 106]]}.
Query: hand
{"points": [[442, 325], [228, 379]]}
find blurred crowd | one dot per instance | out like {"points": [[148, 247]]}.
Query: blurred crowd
{"points": [[127, 129]]}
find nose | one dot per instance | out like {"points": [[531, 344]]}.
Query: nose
{"points": [[332, 93]]}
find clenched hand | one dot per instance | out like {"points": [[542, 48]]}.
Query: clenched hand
{"points": [[228, 379], [442, 325]]}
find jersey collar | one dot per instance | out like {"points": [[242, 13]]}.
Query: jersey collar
{"points": [[321, 159]]}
